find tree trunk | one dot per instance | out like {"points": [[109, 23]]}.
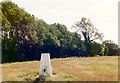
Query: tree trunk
{"points": [[87, 46]]}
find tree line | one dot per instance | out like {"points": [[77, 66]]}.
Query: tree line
{"points": [[24, 37]]}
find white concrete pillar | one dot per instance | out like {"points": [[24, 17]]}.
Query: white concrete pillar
{"points": [[45, 65]]}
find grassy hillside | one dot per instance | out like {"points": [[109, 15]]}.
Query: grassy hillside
{"points": [[82, 69]]}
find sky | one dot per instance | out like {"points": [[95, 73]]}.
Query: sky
{"points": [[102, 13]]}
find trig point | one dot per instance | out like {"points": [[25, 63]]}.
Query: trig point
{"points": [[45, 65]]}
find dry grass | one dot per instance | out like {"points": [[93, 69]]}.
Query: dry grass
{"points": [[20, 71], [82, 69]]}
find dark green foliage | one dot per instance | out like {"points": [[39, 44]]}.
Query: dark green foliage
{"points": [[95, 49], [9, 50], [18, 27], [24, 38], [110, 48]]}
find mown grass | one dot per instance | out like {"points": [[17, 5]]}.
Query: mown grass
{"points": [[66, 69]]}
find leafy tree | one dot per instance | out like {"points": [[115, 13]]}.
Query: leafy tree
{"points": [[52, 40], [71, 43], [88, 31], [95, 49], [64, 36], [110, 48], [18, 27]]}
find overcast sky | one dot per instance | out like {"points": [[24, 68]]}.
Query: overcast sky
{"points": [[102, 13]]}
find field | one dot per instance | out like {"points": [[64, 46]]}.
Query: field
{"points": [[66, 69]]}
